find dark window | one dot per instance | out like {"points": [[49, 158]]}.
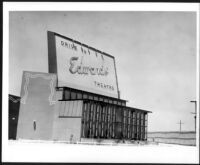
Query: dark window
{"points": [[91, 97], [34, 125], [79, 96], [95, 98], [67, 95], [73, 95], [85, 96], [110, 101]]}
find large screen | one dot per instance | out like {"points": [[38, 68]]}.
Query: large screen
{"points": [[85, 68]]}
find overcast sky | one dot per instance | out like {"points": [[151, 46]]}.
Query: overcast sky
{"points": [[155, 55]]}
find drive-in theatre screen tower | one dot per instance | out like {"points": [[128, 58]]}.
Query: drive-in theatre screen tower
{"points": [[78, 99]]}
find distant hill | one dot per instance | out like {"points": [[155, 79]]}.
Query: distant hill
{"points": [[173, 137], [171, 132]]}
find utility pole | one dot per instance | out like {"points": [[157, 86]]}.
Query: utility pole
{"points": [[195, 103], [180, 123]]}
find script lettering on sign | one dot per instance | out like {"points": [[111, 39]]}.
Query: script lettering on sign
{"points": [[76, 66], [83, 68]]}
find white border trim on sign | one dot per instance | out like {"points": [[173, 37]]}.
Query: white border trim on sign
{"points": [[28, 76]]}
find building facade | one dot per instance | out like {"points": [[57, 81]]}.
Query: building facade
{"points": [[104, 117], [78, 99]]}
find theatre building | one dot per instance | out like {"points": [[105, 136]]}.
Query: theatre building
{"points": [[77, 99]]}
